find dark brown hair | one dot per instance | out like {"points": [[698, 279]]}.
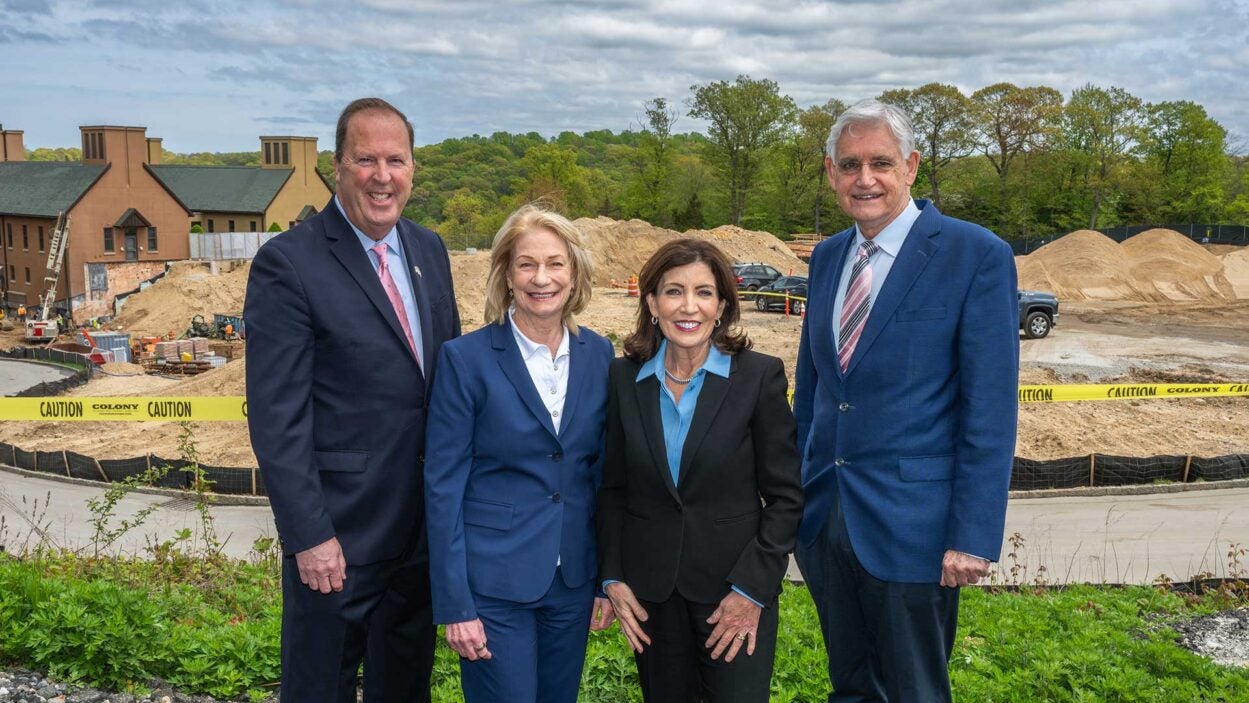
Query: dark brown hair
{"points": [[644, 342], [361, 105]]}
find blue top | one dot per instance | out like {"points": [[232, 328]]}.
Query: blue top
{"points": [[677, 416], [398, 264]]}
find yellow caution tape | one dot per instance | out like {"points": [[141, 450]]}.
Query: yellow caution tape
{"points": [[233, 408], [1129, 391], [157, 409]]}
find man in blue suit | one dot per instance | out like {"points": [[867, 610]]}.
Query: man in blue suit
{"points": [[905, 399], [345, 317]]}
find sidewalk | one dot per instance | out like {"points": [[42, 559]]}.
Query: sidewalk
{"points": [[1097, 539]]}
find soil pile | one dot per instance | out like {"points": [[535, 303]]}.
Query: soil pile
{"points": [[1236, 270], [188, 289], [1166, 265], [1083, 265], [620, 248]]}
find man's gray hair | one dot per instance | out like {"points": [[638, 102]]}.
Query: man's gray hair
{"points": [[874, 112]]}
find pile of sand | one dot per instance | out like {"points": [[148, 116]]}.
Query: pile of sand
{"points": [[1236, 270], [1083, 265], [620, 248], [188, 289], [1166, 265]]}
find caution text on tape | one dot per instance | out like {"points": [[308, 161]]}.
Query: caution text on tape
{"points": [[157, 409], [1129, 391]]}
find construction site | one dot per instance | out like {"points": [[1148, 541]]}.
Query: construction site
{"points": [[1155, 308]]}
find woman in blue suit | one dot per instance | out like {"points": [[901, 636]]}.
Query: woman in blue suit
{"points": [[513, 462]]}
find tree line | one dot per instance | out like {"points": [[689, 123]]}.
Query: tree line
{"points": [[1022, 160]]}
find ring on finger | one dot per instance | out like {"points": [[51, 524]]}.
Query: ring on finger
{"points": [[480, 647], [741, 636]]}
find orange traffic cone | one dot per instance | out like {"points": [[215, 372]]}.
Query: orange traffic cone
{"points": [[633, 286]]}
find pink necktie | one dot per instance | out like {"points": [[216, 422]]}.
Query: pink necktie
{"points": [[392, 292], [857, 303]]}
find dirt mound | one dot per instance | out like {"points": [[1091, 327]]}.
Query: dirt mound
{"points": [[620, 248], [469, 272], [188, 289], [1236, 270], [1166, 265], [1083, 265]]}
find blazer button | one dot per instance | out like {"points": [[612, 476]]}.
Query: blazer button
{"points": [[557, 497], [839, 462], [844, 407], [558, 456]]}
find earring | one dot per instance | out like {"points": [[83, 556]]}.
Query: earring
{"points": [[654, 320], [717, 322]]}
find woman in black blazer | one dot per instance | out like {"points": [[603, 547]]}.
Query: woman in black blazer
{"points": [[701, 493]]}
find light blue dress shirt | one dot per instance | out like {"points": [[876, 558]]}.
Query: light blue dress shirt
{"points": [[890, 240], [677, 416], [397, 262]]}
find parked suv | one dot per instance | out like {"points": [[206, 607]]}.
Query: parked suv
{"points": [[1038, 313], [754, 276]]}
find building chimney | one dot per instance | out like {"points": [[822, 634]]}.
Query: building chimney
{"points": [[153, 150], [11, 146]]}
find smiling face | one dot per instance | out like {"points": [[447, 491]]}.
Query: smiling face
{"points": [[871, 177], [540, 276], [375, 172], [687, 305]]}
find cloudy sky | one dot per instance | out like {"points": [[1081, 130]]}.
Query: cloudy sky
{"points": [[213, 75]]}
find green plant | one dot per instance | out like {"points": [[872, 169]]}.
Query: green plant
{"points": [[103, 508]]}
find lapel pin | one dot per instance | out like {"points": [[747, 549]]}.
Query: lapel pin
{"points": [[417, 270]]}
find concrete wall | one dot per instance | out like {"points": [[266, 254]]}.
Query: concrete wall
{"points": [[122, 277]]}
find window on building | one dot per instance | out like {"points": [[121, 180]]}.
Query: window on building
{"points": [[231, 223], [151, 239], [12, 273], [268, 152], [25, 238], [40, 238], [210, 225], [253, 225], [8, 227], [286, 152], [108, 240], [27, 275]]}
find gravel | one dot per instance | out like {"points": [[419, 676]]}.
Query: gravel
{"points": [[22, 686], [1221, 637]]}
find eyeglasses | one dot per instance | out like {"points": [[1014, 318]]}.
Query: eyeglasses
{"points": [[850, 167]]}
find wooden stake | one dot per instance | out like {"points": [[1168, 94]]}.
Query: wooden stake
{"points": [[1188, 463], [1092, 464]]}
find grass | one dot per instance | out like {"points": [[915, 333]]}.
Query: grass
{"points": [[212, 626]]}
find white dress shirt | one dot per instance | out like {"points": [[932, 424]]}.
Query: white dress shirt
{"points": [[890, 241], [550, 376]]}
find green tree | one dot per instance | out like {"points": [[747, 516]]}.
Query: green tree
{"points": [[746, 117], [1186, 149], [553, 176], [464, 218], [1102, 126], [1013, 122], [944, 127], [649, 189]]}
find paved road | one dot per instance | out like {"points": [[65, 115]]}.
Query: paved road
{"points": [[1105, 539], [17, 375]]}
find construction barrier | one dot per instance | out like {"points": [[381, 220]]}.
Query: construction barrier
{"points": [[633, 287]]}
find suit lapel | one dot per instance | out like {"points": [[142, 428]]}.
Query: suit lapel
{"points": [[346, 248], [514, 368], [647, 395], [414, 255], [577, 374], [914, 256], [715, 389]]}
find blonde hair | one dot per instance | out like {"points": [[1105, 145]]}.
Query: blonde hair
{"points": [[526, 219]]}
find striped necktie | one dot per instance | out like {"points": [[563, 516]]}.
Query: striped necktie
{"points": [[396, 301], [857, 303]]}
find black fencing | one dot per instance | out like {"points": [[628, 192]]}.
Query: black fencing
{"points": [[1201, 233], [226, 480], [1028, 474], [1109, 470]]}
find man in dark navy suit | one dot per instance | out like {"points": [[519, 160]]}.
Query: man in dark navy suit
{"points": [[345, 315], [905, 400]]}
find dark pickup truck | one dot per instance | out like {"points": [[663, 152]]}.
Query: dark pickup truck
{"points": [[1038, 313]]}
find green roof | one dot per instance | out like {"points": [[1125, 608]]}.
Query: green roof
{"points": [[223, 188], [43, 188]]}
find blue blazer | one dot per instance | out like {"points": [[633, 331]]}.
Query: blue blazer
{"points": [[507, 496], [336, 401], [917, 437]]}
